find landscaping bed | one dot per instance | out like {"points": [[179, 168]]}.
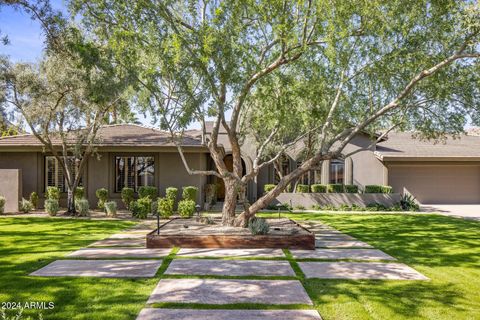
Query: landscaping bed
{"points": [[188, 233]]}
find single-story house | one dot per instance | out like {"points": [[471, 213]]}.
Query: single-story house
{"points": [[133, 155]]}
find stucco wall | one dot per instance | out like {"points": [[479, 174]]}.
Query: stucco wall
{"points": [[11, 188], [307, 200], [29, 164]]}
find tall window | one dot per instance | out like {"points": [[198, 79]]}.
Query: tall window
{"points": [[54, 175], [313, 176], [134, 172], [337, 169]]}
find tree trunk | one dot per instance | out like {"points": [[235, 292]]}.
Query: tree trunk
{"points": [[70, 202], [228, 211]]}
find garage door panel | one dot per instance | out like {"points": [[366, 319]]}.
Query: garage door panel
{"points": [[449, 184]]}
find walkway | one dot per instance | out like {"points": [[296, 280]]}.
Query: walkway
{"points": [[467, 211]]}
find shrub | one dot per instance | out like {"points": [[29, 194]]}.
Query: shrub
{"points": [[111, 208], [301, 188], [258, 226], [25, 206], [335, 188], [350, 188], [206, 220], [318, 188], [34, 199], [189, 193], [171, 193], [102, 195], [140, 208], [268, 187], [186, 208], [80, 193], [300, 207], [2, 204], [409, 203], [387, 189], [375, 206], [154, 207], [127, 195], [316, 207], [210, 191], [147, 191], [51, 206], [82, 207], [165, 207], [374, 188], [53, 193]]}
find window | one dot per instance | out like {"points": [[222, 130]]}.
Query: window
{"points": [[133, 172], [54, 175], [337, 169], [313, 176]]}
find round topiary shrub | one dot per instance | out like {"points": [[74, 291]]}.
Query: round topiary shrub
{"points": [[189, 193], [51, 206], [318, 188], [165, 207], [128, 195], [53, 193], [80, 193], [141, 208], [34, 199], [102, 195], [186, 208], [147, 191], [258, 226]]}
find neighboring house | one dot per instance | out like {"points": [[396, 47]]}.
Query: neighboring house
{"points": [[132, 155]]}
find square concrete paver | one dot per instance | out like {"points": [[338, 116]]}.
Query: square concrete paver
{"points": [[198, 314], [119, 243], [230, 267], [360, 270], [342, 254], [219, 291], [100, 268], [334, 237], [99, 253], [239, 253], [341, 244], [130, 235]]}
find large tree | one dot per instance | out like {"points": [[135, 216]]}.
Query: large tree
{"points": [[290, 70]]}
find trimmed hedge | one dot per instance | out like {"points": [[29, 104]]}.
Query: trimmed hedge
{"points": [[268, 187], [186, 208], [82, 206], [335, 188], [102, 195], [171, 193], [147, 191], [128, 195], [165, 207], [141, 208], [350, 188], [302, 188], [34, 199], [52, 193], [190, 193], [79, 193], [51, 206], [318, 188], [374, 188]]}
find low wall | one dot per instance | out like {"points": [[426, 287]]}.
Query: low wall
{"points": [[307, 200], [11, 188]]}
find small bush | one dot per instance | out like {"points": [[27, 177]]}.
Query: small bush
{"points": [[301, 188], [25, 206], [335, 188], [318, 188], [316, 207], [206, 220], [350, 188], [375, 206], [387, 189], [102, 195], [147, 191], [165, 207], [128, 195], [186, 208], [111, 208], [300, 207], [80, 193], [268, 187], [258, 226], [53, 193], [83, 207], [34, 199], [140, 208], [51, 206], [210, 192], [154, 208], [171, 193], [408, 203], [373, 188], [189, 193], [2, 204]]}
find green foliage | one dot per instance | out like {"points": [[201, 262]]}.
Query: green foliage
{"points": [[34, 199], [186, 208], [52, 193], [335, 188], [102, 195], [52, 206], [318, 188], [268, 187], [25, 206], [350, 188], [165, 207], [147, 191], [409, 203], [2, 204], [171, 193], [190, 193], [83, 207], [80, 193], [258, 226], [141, 208], [302, 188], [111, 208], [378, 189], [128, 195], [210, 192], [300, 207]]}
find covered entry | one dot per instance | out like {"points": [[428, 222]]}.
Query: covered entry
{"points": [[452, 183]]}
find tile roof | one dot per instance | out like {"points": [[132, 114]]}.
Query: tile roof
{"points": [[403, 145], [115, 135]]}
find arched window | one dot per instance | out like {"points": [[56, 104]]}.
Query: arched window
{"points": [[337, 171]]}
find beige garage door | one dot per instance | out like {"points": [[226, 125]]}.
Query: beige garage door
{"points": [[439, 184]]}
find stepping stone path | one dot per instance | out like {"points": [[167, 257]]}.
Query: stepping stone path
{"points": [[341, 244], [230, 267], [120, 243], [96, 253], [236, 253], [196, 314], [220, 291], [342, 254], [127, 236], [100, 268], [360, 270]]}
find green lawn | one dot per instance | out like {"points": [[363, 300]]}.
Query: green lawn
{"points": [[447, 250]]}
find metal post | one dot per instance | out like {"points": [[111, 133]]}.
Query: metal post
{"points": [[158, 223]]}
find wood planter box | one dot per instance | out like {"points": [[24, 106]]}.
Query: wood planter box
{"points": [[192, 235]]}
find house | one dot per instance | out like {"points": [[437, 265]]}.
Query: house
{"points": [[132, 156]]}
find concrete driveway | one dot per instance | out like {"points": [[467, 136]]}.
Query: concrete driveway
{"points": [[467, 211]]}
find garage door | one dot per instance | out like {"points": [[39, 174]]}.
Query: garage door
{"points": [[438, 184]]}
